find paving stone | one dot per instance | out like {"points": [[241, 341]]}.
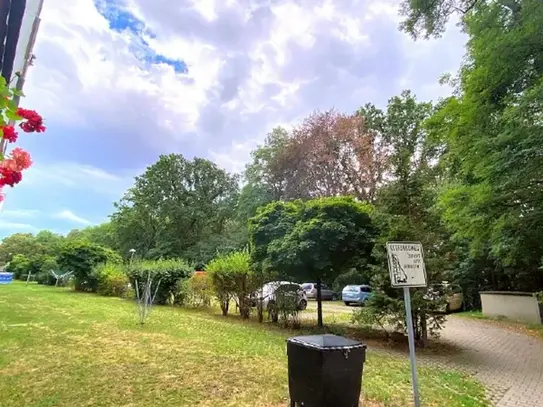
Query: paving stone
{"points": [[509, 364]]}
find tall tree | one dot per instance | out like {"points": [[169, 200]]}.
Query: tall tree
{"points": [[493, 134], [332, 154], [406, 206], [44, 243], [174, 205], [102, 235]]}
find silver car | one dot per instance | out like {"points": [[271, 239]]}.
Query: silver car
{"points": [[268, 293], [326, 293]]}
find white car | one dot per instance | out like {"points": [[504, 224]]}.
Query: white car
{"points": [[268, 294]]}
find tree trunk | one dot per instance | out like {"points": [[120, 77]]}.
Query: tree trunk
{"points": [[319, 304], [224, 306], [260, 306], [424, 329]]}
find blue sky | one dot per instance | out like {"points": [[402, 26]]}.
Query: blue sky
{"points": [[121, 81]]}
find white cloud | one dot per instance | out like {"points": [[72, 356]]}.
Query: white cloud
{"points": [[72, 217], [17, 227], [19, 213], [78, 176], [250, 66]]}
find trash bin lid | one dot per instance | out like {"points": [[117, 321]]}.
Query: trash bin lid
{"points": [[326, 342]]}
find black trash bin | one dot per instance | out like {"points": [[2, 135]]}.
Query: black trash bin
{"points": [[325, 371]]}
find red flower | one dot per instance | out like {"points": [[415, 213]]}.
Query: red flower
{"points": [[9, 177], [34, 122], [9, 133]]}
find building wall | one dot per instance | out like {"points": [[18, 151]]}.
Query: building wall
{"points": [[32, 11], [516, 306]]}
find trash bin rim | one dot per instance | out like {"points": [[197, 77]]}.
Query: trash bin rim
{"points": [[295, 340]]}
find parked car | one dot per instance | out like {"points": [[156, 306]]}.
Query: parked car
{"points": [[453, 293], [269, 293], [355, 294], [326, 293]]}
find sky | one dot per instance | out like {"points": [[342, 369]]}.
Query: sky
{"points": [[120, 82]]}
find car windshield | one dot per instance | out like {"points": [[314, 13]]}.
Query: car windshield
{"points": [[307, 286], [352, 288], [288, 288]]}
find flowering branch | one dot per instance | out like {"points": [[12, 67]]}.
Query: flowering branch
{"points": [[13, 164]]}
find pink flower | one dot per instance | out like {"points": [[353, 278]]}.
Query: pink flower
{"points": [[9, 164], [21, 159]]}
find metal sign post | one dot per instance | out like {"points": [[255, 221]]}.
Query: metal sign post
{"points": [[406, 268], [411, 337]]}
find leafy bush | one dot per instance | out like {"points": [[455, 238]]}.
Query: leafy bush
{"points": [[388, 314], [200, 290], [232, 278], [19, 266], [168, 272], [181, 294], [196, 291], [45, 278], [286, 306], [112, 279], [81, 257], [38, 266]]}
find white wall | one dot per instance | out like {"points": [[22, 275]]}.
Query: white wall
{"points": [[32, 10], [520, 307]]}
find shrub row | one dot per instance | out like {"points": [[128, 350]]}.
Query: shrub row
{"points": [[167, 274]]}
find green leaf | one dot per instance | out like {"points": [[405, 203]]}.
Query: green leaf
{"points": [[11, 115]]}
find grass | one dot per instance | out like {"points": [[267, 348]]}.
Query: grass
{"points": [[532, 329], [60, 348]]}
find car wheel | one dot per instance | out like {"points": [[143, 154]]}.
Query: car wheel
{"points": [[303, 305], [347, 303], [334, 297]]}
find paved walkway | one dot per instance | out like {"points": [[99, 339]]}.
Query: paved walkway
{"points": [[508, 363]]}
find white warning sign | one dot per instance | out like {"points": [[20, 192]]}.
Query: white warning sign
{"points": [[406, 264]]}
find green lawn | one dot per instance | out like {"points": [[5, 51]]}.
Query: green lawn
{"points": [[59, 348]]}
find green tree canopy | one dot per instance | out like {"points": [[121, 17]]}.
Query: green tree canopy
{"points": [[492, 131], [315, 240], [174, 205]]}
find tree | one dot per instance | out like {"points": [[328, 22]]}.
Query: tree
{"points": [[27, 244], [19, 266], [174, 205], [264, 172], [315, 240], [492, 130], [81, 257], [332, 154], [406, 208], [102, 235], [429, 17], [233, 278]]}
